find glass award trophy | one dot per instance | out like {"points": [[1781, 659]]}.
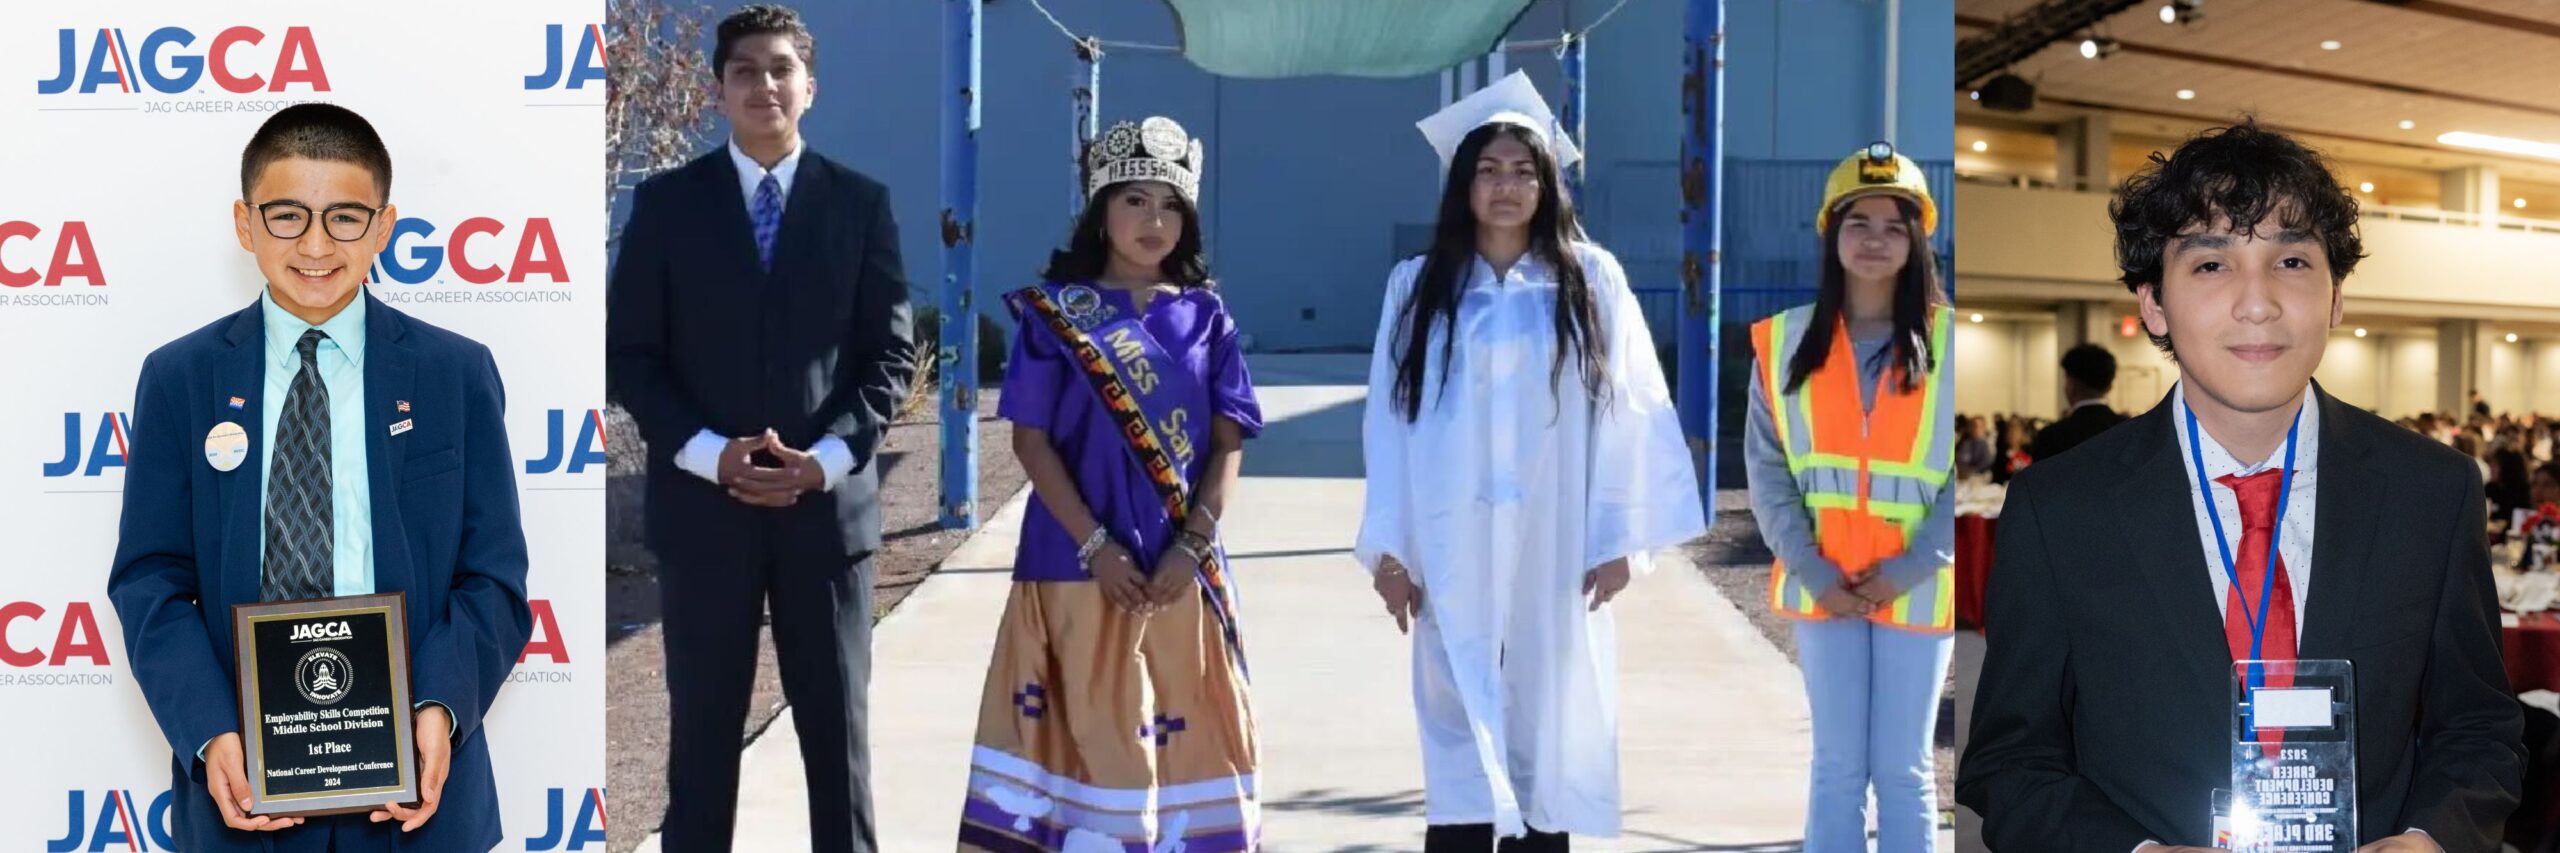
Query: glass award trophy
{"points": [[2293, 757]]}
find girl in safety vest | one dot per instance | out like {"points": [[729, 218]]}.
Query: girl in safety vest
{"points": [[1850, 454]]}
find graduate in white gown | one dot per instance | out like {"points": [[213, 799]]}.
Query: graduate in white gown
{"points": [[1523, 459]]}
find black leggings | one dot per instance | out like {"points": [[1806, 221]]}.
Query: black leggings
{"points": [[1478, 837]]}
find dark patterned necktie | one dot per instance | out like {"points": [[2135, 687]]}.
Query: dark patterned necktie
{"points": [[300, 536], [767, 211]]}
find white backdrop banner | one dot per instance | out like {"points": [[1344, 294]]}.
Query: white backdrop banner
{"points": [[119, 161]]}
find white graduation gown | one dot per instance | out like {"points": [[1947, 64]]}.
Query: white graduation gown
{"points": [[1498, 499]]}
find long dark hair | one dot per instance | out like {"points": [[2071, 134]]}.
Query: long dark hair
{"points": [[1088, 251], [1553, 229], [1915, 290]]}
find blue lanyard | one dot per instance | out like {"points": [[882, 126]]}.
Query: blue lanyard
{"points": [[2222, 544]]}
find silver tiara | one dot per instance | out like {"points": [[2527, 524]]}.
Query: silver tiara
{"points": [[1154, 150]]}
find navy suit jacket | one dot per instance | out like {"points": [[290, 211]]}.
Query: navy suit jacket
{"points": [[446, 532], [698, 335]]}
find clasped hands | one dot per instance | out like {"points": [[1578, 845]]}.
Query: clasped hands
{"points": [[1859, 597], [1115, 570], [758, 485]]}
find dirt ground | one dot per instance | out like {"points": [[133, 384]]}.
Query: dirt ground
{"points": [[913, 544], [1734, 559]]}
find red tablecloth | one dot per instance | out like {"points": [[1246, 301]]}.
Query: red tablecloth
{"points": [[1973, 566], [2532, 651]]}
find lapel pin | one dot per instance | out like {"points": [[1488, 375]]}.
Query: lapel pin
{"points": [[402, 405], [237, 402], [401, 427]]}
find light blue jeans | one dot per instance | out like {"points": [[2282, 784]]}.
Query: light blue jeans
{"points": [[1874, 692]]}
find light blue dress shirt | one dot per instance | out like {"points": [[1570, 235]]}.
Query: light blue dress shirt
{"points": [[341, 362]]}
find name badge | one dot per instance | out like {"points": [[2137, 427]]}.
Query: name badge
{"points": [[226, 446]]}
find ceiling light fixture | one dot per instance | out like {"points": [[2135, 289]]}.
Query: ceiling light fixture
{"points": [[1977, 317], [2186, 94], [2359, 331], [2182, 12], [2511, 337], [2406, 124], [2331, 44], [2365, 187], [2500, 144], [1980, 146]]}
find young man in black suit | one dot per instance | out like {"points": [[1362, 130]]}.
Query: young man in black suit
{"points": [[2088, 373], [2103, 721], [758, 334]]}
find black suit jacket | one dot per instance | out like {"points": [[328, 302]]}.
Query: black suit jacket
{"points": [[2075, 428], [698, 337], [2102, 716]]}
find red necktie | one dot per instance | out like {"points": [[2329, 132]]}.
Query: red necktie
{"points": [[2258, 493]]}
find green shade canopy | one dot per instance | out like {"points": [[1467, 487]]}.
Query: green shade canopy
{"points": [[1356, 38]]}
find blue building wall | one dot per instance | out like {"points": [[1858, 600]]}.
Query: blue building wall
{"points": [[1312, 181]]}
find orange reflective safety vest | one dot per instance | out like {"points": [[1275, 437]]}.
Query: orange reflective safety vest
{"points": [[1868, 477]]}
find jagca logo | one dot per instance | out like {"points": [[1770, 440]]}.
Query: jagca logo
{"points": [[121, 823], [545, 640], [75, 636], [563, 835], [321, 631], [239, 59], [106, 441], [68, 252], [570, 457], [585, 65], [472, 249]]}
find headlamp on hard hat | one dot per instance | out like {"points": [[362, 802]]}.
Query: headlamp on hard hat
{"points": [[1879, 166], [1876, 169]]}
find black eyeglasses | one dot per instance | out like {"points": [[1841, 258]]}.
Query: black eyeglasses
{"points": [[289, 220]]}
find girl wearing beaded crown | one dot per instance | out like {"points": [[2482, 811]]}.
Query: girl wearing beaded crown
{"points": [[1115, 710], [1523, 461]]}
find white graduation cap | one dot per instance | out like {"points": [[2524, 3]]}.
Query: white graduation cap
{"points": [[1511, 100]]}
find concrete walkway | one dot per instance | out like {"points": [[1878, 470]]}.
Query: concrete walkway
{"points": [[1714, 737]]}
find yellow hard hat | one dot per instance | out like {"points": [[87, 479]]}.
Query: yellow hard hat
{"points": [[1877, 170]]}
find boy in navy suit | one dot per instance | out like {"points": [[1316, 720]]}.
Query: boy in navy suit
{"points": [[376, 461], [757, 331]]}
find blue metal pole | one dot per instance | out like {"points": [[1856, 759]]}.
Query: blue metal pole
{"points": [[1574, 93], [956, 363], [1701, 233]]}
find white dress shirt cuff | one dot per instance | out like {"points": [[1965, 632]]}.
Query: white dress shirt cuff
{"points": [[701, 455], [834, 458]]}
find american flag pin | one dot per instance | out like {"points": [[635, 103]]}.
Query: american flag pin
{"points": [[402, 405], [237, 402]]}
